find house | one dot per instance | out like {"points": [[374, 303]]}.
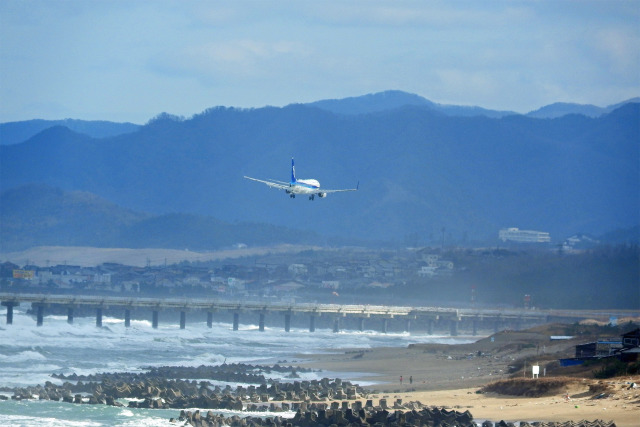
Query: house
{"points": [[631, 339], [602, 348], [627, 349], [631, 346]]}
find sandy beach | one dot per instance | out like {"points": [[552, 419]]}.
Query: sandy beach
{"points": [[451, 376]]}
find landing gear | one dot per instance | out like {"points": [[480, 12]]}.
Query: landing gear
{"points": [[293, 196], [312, 197]]}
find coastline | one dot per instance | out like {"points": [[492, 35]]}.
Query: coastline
{"points": [[451, 376]]}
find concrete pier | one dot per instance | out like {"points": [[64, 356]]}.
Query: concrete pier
{"points": [[127, 318], [431, 317], [99, 317], [261, 323], [183, 319]]}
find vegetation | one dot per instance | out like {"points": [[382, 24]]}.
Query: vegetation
{"points": [[614, 367], [530, 387]]}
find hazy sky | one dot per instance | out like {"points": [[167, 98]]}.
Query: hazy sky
{"points": [[130, 60]]}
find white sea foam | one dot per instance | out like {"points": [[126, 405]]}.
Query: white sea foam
{"points": [[31, 421], [22, 356], [30, 354]]}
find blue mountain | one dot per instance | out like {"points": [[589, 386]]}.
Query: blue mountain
{"points": [[16, 132], [420, 170]]}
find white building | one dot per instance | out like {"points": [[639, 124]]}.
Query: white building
{"points": [[524, 236]]}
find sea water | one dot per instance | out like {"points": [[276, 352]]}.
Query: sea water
{"points": [[29, 355]]}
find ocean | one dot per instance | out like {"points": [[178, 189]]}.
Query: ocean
{"points": [[29, 355]]}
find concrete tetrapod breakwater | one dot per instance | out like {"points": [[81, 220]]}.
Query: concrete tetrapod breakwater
{"points": [[429, 417]]}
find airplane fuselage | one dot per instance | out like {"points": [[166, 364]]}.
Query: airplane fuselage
{"points": [[305, 186], [310, 187]]}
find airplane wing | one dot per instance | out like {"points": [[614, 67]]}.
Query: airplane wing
{"points": [[280, 185], [338, 191]]}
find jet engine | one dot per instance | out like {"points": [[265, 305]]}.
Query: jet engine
{"points": [[322, 194]]}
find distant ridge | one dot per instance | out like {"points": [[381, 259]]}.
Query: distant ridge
{"points": [[16, 132], [560, 109], [393, 99], [20, 131]]}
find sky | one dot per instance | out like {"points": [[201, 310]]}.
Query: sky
{"points": [[128, 61]]}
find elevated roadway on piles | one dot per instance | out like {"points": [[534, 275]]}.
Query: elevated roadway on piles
{"points": [[431, 315]]}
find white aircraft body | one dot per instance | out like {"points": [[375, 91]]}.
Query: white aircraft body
{"points": [[310, 187]]}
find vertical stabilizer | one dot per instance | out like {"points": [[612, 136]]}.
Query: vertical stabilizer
{"points": [[293, 172]]}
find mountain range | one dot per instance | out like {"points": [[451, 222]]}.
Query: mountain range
{"points": [[16, 132], [426, 171]]}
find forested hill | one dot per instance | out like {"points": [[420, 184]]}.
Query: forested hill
{"points": [[420, 170], [16, 132], [38, 215]]}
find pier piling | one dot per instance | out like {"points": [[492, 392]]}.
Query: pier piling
{"points": [[287, 322], [9, 305], [127, 318], [236, 321], [209, 319], [430, 323], [183, 319], [154, 319], [40, 315], [99, 317], [453, 327]]}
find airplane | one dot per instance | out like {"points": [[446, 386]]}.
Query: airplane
{"points": [[309, 187]]}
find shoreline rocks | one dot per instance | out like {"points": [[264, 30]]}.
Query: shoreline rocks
{"points": [[176, 387], [364, 417]]}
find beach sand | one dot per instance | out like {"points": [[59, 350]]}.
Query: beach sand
{"points": [[450, 377]]}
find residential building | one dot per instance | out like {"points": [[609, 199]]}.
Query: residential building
{"points": [[514, 234]]}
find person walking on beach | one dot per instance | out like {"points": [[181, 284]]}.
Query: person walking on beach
{"points": [[410, 379], [400, 379]]}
